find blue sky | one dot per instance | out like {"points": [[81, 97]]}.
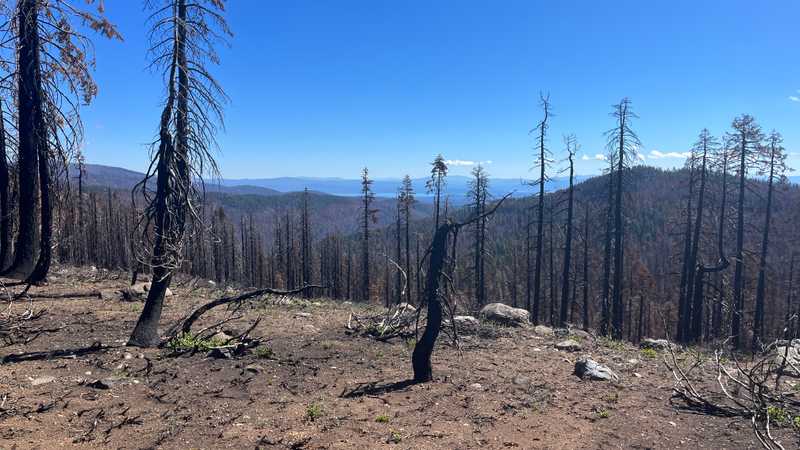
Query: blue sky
{"points": [[324, 88]]}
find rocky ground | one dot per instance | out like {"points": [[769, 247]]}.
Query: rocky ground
{"points": [[312, 384]]}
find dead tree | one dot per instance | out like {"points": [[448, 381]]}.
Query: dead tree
{"points": [[53, 77], [572, 148], [543, 161], [775, 167], [435, 293], [479, 195], [407, 201], [746, 140], [623, 140], [6, 213], [436, 185], [183, 36], [368, 216]]}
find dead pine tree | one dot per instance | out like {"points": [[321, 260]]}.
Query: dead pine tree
{"points": [[774, 168], [183, 35], [407, 201], [479, 195], [436, 185], [705, 145], [52, 70], [625, 143], [745, 139], [436, 289], [571, 148], [542, 163], [368, 216], [6, 225]]}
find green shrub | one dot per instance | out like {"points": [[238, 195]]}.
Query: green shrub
{"points": [[314, 412], [189, 341], [778, 415], [603, 414], [394, 437], [383, 418], [649, 353], [263, 352]]}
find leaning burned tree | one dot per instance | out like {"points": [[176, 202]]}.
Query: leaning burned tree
{"points": [[436, 293], [183, 36], [49, 59]]}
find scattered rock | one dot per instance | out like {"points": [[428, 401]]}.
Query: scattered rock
{"points": [[504, 314], [476, 386], [569, 346], [220, 353], [42, 380], [633, 362], [221, 336], [139, 291], [577, 332], [543, 330], [655, 344], [520, 380], [128, 356], [587, 368], [100, 384], [637, 375], [466, 324], [111, 294], [302, 314]]}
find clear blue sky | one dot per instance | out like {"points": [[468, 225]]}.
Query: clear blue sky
{"points": [[323, 88]]}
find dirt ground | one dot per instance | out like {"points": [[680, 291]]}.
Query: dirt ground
{"points": [[321, 387]]}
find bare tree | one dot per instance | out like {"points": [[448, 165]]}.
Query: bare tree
{"points": [[368, 216], [436, 185], [543, 161], [571, 147], [52, 69], [745, 140], [624, 141], [774, 169], [183, 35]]}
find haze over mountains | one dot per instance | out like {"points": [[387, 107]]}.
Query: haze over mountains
{"points": [[457, 185]]}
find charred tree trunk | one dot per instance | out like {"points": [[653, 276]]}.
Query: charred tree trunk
{"points": [[567, 244], [29, 110], [6, 226]]}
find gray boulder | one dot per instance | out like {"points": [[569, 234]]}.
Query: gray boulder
{"points": [[655, 344], [466, 324], [577, 332], [586, 368], [543, 330], [569, 346], [504, 314]]}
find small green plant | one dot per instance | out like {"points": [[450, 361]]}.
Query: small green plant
{"points": [[612, 344], [189, 341], [778, 415], [796, 422], [649, 353], [603, 414], [394, 437], [612, 397], [383, 418], [263, 352], [314, 411]]}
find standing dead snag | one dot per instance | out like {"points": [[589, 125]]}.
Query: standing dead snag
{"points": [[421, 358], [183, 36]]}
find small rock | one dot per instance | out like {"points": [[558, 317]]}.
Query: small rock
{"points": [[655, 344], [633, 362], [111, 294], [42, 380], [99, 384], [637, 375], [302, 314], [543, 330], [569, 346], [476, 386], [580, 333], [587, 368], [220, 353], [127, 356], [466, 324], [221, 336], [520, 380]]}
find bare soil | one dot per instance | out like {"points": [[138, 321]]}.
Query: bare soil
{"points": [[325, 388]]}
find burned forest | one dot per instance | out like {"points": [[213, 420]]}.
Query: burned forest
{"points": [[541, 269]]}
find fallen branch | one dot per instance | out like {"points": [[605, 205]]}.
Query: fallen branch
{"points": [[186, 325]]}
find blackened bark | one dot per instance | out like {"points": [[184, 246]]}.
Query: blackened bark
{"points": [[567, 246], [5, 204]]}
